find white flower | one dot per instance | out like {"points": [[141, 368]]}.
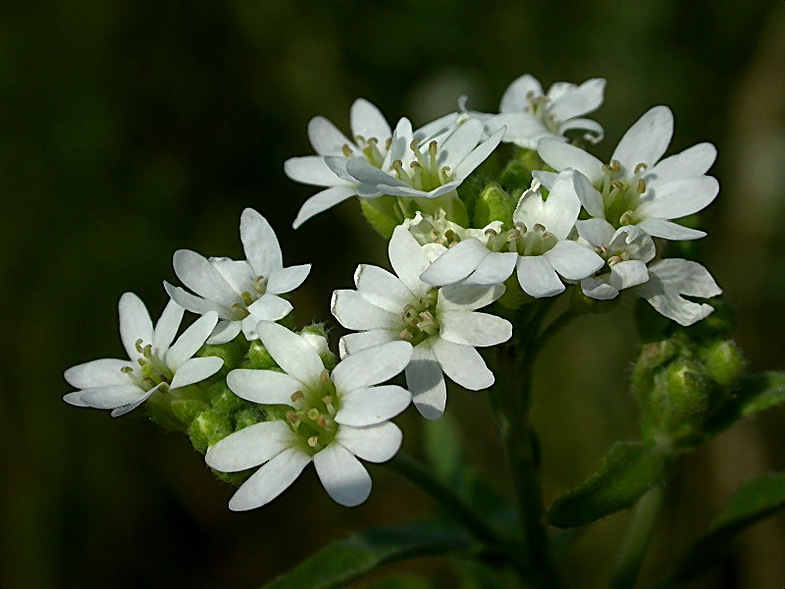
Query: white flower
{"points": [[627, 252], [241, 292], [154, 365], [371, 139], [331, 420], [540, 247], [441, 323], [529, 114], [637, 188]]}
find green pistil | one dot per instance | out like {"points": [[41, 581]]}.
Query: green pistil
{"points": [[621, 197], [533, 241], [424, 172], [152, 371], [313, 418], [419, 319]]}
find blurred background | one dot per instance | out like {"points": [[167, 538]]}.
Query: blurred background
{"points": [[132, 128]]}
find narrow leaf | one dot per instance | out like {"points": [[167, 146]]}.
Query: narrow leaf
{"points": [[754, 501], [347, 560], [627, 472]]}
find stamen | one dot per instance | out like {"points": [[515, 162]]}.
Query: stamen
{"points": [[324, 376], [640, 167], [296, 396], [615, 166], [538, 227], [292, 417], [313, 414], [433, 149], [127, 370], [313, 441], [321, 421], [346, 150], [641, 186]]}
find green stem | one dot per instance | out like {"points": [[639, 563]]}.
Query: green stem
{"points": [[423, 478], [511, 402], [636, 541]]}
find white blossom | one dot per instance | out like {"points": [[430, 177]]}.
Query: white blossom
{"points": [[154, 364], [441, 323], [331, 419], [529, 114], [241, 292], [637, 188]]}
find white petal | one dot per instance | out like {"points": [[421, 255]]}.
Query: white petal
{"points": [[167, 327], [224, 332], [260, 243], [269, 307], [377, 443], [547, 179], [573, 261], [690, 278], [98, 373], [75, 399], [478, 155], [111, 396], [494, 269], [463, 364], [597, 232], [353, 311], [237, 273], [365, 173], [681, 198], [196, 370], [516, 95], [249, 447], [537, 277], [599, 289], [408, 260], [291, 352], [456, 263], [635, 241], [381, 288], [272, 479], [325, 137], [594, 131], [463, 297], [690, 163], [195, 304], [198, 274], [371, 366], [425, 381], [560, 155], [628, 273], [579, 101], [191, 340], [646, 140], [287, 279], [589, 196], [354, 342], [321, 201], [267, 387], [367, 121], [135, 323], [343, 476], [474, 329], [521, 128], [669, 230], [123, 409], [372, 405], [310, 169]]}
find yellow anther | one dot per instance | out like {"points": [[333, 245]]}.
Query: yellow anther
{"points": [[313, 413], [538, 227], [127, 370], [324, 376], [292, 417], [346, 150], [313, 441], [613, 260], [296, 396], [321, 421], [433, 148], [640, 167], [641, 186], [615, 166], [327, 400], [618, 185], [388, 143]]}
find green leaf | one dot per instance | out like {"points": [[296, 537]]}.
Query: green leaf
{"points": [[347, 560], [753, 393], [627, 472], [754, 501]]}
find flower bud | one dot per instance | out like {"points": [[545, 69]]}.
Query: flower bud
{"points": [[493, 204], [723, 360], [258, 357], [209, 428], [382, 214]]}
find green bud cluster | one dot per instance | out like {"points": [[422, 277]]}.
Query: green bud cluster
{"points": [[680, 383]]}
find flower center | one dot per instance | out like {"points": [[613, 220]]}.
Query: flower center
{"points": [[611, 258], [533, 241], [258, 288], [419, 318], [621, 195], [423, 172], [369, 148], [539, 107], [312, 418], [151, 372]]}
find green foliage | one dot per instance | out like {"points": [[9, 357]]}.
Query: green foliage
{"points": [[494, 204], [347, 560], [754, 501], [382, 214], [752, 394], [628, 471]]}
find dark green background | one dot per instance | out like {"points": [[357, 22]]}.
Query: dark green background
{"points": [[131, 128]]}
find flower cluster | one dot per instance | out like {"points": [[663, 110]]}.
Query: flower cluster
{"points": [[555, 216]]}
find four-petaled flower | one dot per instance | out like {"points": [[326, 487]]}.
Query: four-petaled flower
{"points": [[441, 323], [241, 292], [154, 365], [329, 419]]}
